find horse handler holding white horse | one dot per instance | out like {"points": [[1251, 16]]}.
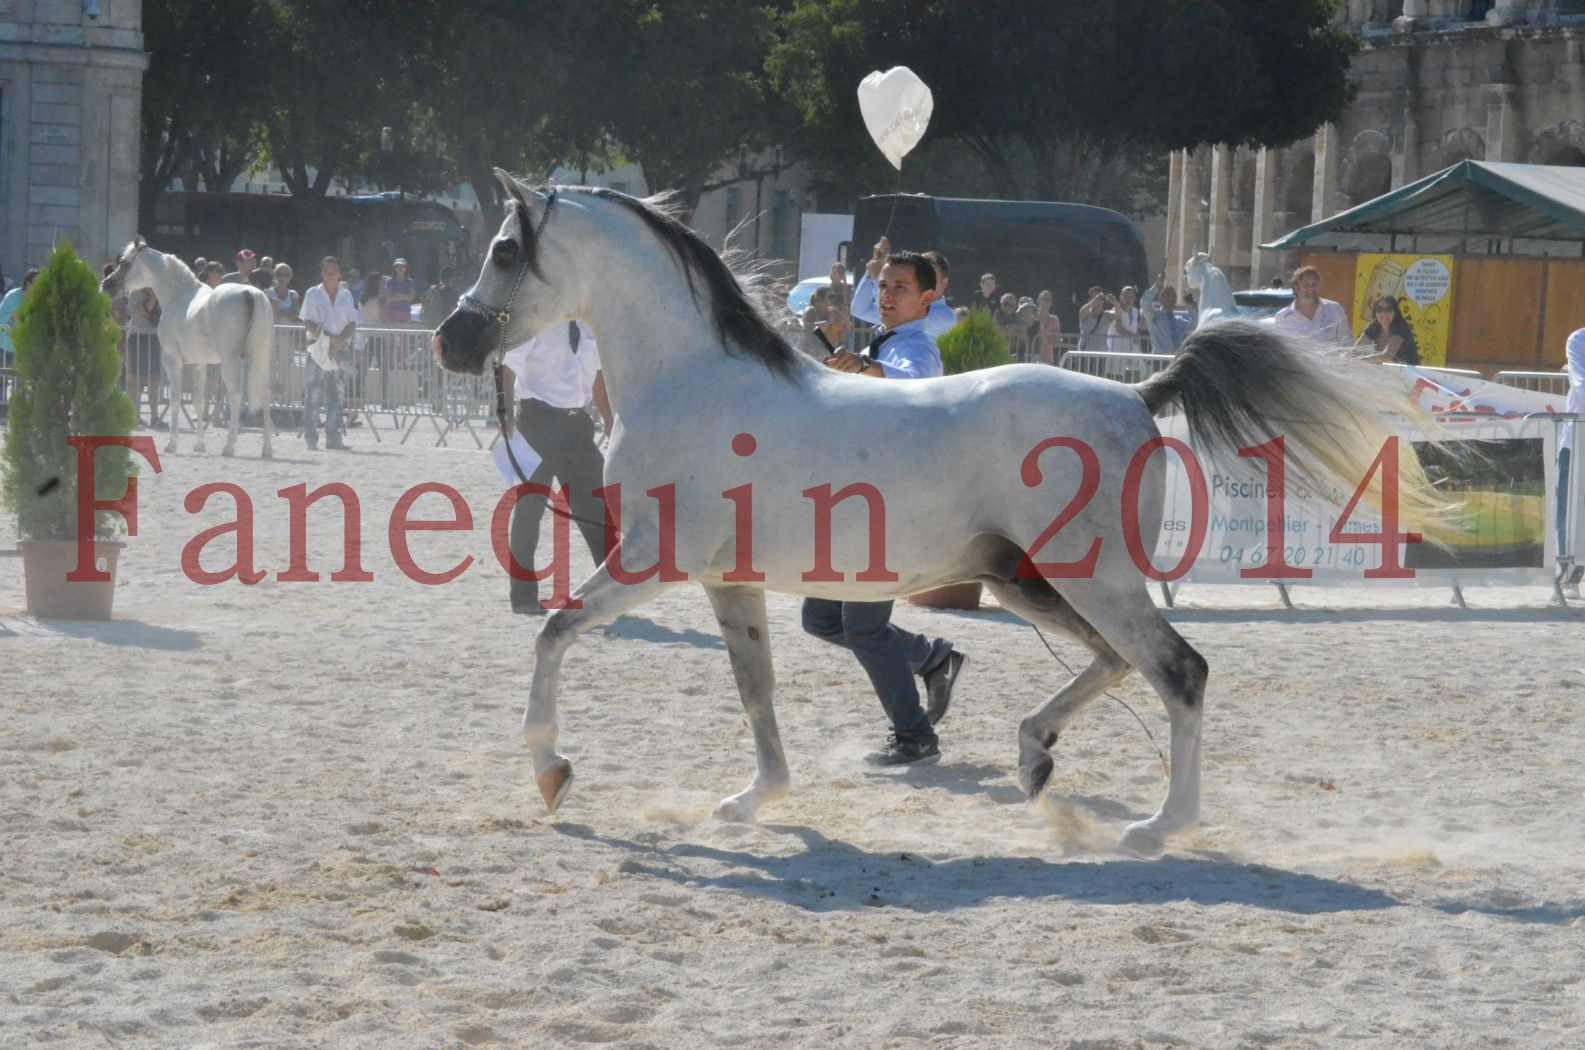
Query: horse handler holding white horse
{"points": [[553, 376], [890, 655]]}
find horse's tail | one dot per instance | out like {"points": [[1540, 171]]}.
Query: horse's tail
{"points": [[260, 348], [1241, 384]]}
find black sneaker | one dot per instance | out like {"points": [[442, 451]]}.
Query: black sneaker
{"points": [[939, 683], [905, 750]]}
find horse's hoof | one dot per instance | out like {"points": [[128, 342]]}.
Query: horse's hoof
{"points": [[1142, 840], [554, 783], [1032, 777], [228, 452], [739, 809]]}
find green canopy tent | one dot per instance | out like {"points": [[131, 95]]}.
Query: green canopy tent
{"points": [[1536, 209], [1514, 237]]}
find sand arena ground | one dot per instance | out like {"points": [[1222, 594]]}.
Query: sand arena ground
{"points": [[296, 815]]}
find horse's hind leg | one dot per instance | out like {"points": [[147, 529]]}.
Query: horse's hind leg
{"points": [[744, 628], [1130, 622], [601, 599], [231, 379], [1036, 602]]}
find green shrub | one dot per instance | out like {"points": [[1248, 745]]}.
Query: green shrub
{"points": [[972, 344], [68, 384]]}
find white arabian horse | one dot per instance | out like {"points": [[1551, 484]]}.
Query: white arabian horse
{"points": [[958, 477], [200, 325], [1212, 292]]}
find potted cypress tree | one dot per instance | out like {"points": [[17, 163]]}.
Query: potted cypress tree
{"points": [[972, 344], [67, 384]]}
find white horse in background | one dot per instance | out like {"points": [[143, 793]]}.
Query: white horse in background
{"points": [[1213, 295], [960, 478], [200, 325]]}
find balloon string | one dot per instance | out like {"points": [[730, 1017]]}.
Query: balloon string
{"points": [[898, 192]]}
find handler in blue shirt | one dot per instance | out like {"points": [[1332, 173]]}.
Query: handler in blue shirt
{"points": [[939, 319], [888, 654]]}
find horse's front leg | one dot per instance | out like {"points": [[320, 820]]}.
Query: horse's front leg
{"points": [[744, 628], [601, 599]]}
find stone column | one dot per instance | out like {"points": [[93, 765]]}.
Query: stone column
{"points": [[1263, 265], [1221, 246], [1174, 257], [1502, 123], [1189, 210], [1328, 159], [1406, 155]]}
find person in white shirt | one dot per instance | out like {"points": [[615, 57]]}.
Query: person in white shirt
{"points": [[330, 317], [1319, 320], [554, 377], [1123, 337]]}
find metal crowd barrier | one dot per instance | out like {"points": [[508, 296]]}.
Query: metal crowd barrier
{"points": [[1540, 382], [391, 377], [1125, 368]]}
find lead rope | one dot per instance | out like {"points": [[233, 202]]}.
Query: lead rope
{"points": [[1165, 769]]}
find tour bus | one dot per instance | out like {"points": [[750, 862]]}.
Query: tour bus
{"points": [[1030, 246], [366, 232]]}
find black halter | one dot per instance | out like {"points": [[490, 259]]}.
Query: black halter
{"points": [[502, 315]]}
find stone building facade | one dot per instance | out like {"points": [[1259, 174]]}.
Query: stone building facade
{"points": [[71, 97], [1438, 81]]}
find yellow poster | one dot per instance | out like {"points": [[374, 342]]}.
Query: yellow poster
{"points": [[1423, 287]]}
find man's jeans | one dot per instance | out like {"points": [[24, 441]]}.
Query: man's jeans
{"points": [[323, 386], [890, 655]]}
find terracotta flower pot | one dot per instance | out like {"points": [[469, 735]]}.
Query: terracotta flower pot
{"points": [[50, 595], [964, 596]]}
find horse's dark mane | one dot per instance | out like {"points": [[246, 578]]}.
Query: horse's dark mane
{"points": [[743, 330]]}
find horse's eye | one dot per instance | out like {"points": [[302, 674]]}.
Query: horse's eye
{"points": [[505, 253]]}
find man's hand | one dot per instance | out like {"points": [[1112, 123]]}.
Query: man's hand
{"points": [[853, 364], [883, 248]]}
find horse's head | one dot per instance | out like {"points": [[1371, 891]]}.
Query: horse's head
{"points": [[511, 301], [131, 273], [1195, 270]]}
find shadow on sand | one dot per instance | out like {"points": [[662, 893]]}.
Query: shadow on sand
{"points": [[832, 876], [132, 634], [640, 629]]}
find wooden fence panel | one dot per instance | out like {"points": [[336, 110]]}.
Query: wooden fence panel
{"points": [[1497, 306]]}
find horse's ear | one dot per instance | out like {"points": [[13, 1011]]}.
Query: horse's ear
{"points": [[139, 241], [508, 183]]}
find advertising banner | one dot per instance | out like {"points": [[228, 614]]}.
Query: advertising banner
{"points": [[1501, 482], [1423, 287]]}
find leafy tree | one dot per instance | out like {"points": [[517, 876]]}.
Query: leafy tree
{"points": [[685, 94], [207, 86], [521, 90], [68, 383], [1061, 101]]}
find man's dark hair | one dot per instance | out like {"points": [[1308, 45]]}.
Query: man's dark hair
{"points": [[327, 260], [924, 273], [940, 263]]}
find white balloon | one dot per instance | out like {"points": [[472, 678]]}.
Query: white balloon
{"points": [[896, 106]]}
